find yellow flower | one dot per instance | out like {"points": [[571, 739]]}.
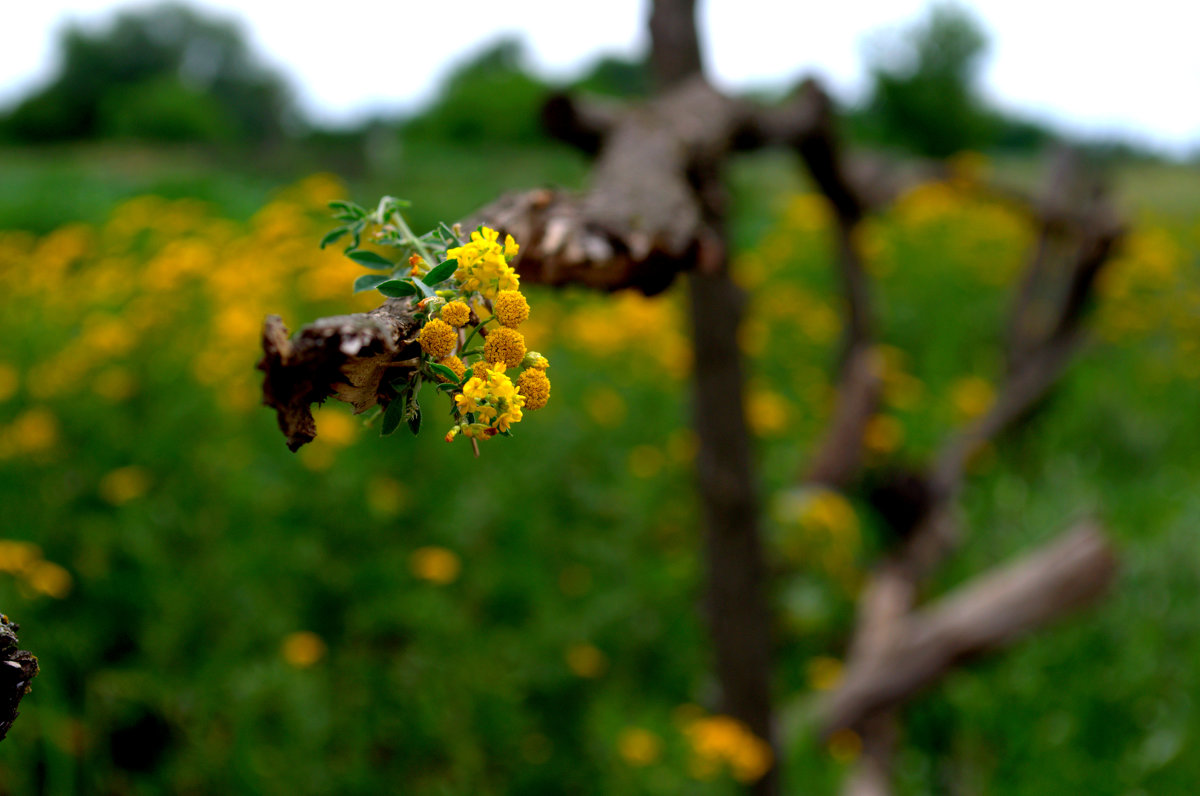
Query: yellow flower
{"points": [[455, 364], [510, 247], [435, 564], [510, 308], [456, 313], [723, 739], [438, 338], [492, 398], [586, 660], [534, 385], [505, 345], [482, 266], [639, 747], [303, 649]]}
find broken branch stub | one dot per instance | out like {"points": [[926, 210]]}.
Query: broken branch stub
{"points": [[18, 667], [347, 356]]}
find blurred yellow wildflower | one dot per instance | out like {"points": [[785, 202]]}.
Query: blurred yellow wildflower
{"points": [[586, 661], [645, 461], [386, 496], [34, 430], [9, 379], [845, 745], [767, 412], [48, 578], [605, 406], [639, 747], [435, 564], [824, 673], [972, 397], [303, 649], [336, 427], [883, 434], [124, 484], [718, 741]]}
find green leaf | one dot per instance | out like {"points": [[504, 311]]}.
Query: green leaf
{"points": [[370, 282], [444, 371], [392, 416], [397, 288], [333, 236], [448, 388], [369, 259], [441, 272], [425, 289], [347, 211], [414, 416], [447, 233]]}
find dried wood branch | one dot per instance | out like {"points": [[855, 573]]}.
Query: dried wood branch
{"points": [[345, 355], [985, 615]]}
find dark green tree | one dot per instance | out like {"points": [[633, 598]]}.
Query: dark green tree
{"points": [[924, 95], [160, 73]]}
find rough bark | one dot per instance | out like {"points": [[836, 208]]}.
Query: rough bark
{"points": [[346, 356], [18, 667]]}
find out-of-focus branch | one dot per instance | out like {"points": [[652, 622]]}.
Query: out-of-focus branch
{"points": [[985, 615], [674, 43], [895, 650], [18, 667]]}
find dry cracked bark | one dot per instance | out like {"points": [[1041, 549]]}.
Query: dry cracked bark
{"points": [[18, 667]]}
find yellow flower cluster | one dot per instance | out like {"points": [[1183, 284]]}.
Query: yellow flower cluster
{"points": [[483, 264], [719, 741], [483, 281], [493, 402], [24, 560]]}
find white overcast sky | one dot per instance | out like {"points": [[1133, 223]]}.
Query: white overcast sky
{"points": [[1099, 67]]}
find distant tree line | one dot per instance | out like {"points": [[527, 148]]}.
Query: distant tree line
{"points": [[169, 74]]}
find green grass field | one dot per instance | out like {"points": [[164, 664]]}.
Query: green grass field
{"points": [[214, 614]]}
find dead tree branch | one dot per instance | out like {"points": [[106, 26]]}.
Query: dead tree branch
{"points": [[18, 667], [985, 615]]}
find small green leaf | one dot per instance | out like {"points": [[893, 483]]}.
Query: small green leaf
{"points": [[425, 289], [347, 211], [397, 288], [370, 282], [447, 233], [441, 272], [393, 415], [369, 259], [333, 236], [448, 388], [444, 371]]}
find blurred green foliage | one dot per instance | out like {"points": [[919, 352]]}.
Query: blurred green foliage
{"points": [[214, 614], [163, 73], [924, 96]]}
